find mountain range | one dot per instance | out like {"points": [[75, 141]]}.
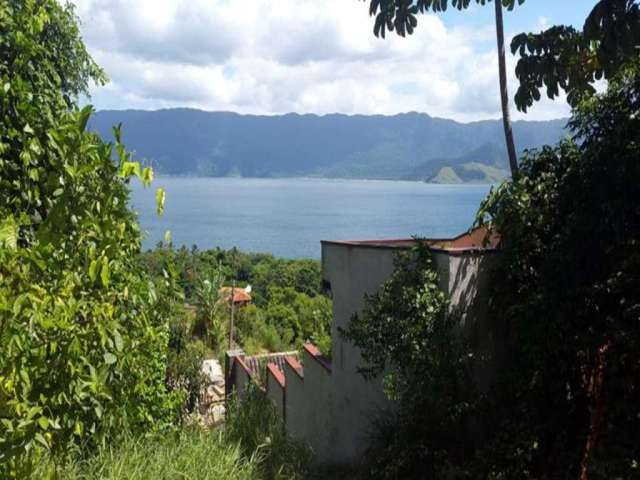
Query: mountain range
{"points": [[410, 146]]}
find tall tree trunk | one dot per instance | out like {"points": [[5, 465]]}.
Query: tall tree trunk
{"points": [[504, 92]]}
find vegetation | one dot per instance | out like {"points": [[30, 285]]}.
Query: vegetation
{"points": [[256, 426], [83, 341], [251, 445], [193, 453], [562, 57], [219, 144], [407, 333], [564, 304], [567, 288], [287, 309], [400, 16]]}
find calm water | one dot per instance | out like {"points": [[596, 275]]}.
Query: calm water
{"points": [[289, 217]]}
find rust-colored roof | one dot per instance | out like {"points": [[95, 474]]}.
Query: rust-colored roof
{"points": [[473, 241], [240, 295], [481, 238], [295, 365], [315, 354], [276, 372]]}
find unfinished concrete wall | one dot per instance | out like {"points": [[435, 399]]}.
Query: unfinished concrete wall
{"points": [[275, 386], [242, 377], [320, 415], [331, 406], [351, 272], [295, 409]]}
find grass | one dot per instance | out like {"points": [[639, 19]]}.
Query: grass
{"points": [[255, 425], [251, 446], [192, 453]]}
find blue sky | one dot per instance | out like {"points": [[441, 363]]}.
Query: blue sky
{"points": [[306, 56], [523, 17]]}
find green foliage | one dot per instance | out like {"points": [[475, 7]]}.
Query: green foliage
{"points": [[564, 306], [565, 58], [255, 425], [407, 333], [401, 15], [251, 445], [192, 453], [567, 293], [184, 363], [558, 58], [196, 143], [82, 343], [287, 307], [209, 304]]}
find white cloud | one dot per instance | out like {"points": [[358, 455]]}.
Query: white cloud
{"points": [[278, 56]]}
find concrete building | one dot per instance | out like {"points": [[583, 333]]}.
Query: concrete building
{"points": [[329, 405]]}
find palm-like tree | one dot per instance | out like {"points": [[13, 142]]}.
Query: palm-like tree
{"points": [[400, 16], [504, 92]]}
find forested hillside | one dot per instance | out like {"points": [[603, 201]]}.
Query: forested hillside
{"points": [[193, 142]]}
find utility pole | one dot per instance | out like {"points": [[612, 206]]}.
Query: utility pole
{"points": [[233, 292]]}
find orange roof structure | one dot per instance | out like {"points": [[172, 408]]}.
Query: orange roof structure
{"points": [[478, 240], [240, 295]]}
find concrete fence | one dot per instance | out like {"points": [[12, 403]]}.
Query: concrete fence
{"points": [[329, 405]]}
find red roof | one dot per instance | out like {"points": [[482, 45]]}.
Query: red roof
{"points": [[481, 239], [315, 354], [239, 294], [273, 369]]}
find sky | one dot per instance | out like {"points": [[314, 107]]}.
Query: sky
{"points": [[307, 56]]}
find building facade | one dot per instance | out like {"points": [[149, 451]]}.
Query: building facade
{"points": [[329, 405]]}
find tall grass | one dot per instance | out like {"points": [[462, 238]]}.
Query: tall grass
{"points": [[193, 453], [254, 424], [251, 446]]}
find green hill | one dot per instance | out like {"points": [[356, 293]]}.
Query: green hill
{"points": [[486, 164], [194, 142], [470, 173]]}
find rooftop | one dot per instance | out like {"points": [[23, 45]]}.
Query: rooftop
{"points": [[481, 239], [240, 295]]}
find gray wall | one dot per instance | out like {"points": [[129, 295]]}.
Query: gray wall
{"points": [[295, 406], [332, 410], [351, 273], [275, 393]]}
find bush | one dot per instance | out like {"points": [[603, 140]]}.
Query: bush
{"points": [[407, 335], [83, 343], [568, 293], [257, 427]]}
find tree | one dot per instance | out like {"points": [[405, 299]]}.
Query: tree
{"points": [[565, 58], [407, 333], [211, 307], [567, 286], [82, 336], [400, 16]]}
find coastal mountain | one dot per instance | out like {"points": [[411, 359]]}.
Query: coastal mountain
{"points": [[406, 146], [485, 164]]}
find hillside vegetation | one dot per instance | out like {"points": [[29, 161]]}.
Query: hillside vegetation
{"points": [[287, 306], [409, 146]]}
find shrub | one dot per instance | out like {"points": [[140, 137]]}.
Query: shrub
{"points": [[407, 335], [82, 342], [257, 427], [567, 291]]}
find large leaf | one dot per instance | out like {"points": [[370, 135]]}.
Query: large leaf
{"points": [[9, 233]]}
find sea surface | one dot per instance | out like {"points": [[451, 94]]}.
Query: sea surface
{"points": [[289, 217]]}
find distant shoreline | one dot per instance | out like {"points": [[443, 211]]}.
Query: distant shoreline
{"points": [[306, 177]]}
